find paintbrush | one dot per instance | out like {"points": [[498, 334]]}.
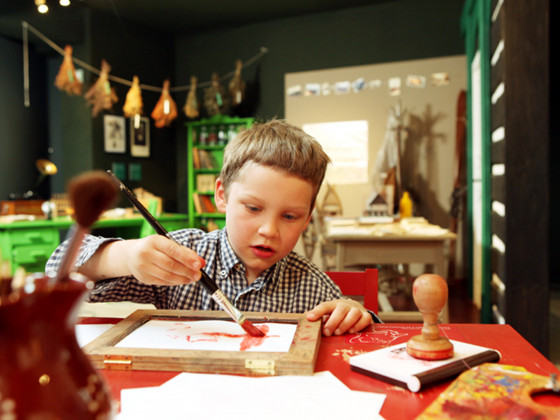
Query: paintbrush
{"points": [[207, 282], [90, 193], [5, 278]]}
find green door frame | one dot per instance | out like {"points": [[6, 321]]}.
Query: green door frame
{"points": [[475, 26]]}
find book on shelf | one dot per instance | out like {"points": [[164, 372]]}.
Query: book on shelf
{"points": [[203, 159], [197, 202], [207, 160], [394, 365], [207, 204], [205, 182], [196, 158], [203, 203]]}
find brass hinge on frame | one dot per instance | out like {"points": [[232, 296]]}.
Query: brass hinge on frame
{"points": [[259, 367], [113, 362]]}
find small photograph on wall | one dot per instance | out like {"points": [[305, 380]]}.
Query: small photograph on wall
{"points": [[140, 137], [114, 132]]}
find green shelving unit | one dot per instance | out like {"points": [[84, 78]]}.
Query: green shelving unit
{"points": [[206, 140]]}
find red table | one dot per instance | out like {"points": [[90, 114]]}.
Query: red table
{"points": [[400, 403]]}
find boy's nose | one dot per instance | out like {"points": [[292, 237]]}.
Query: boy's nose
{"points": [[268, 228]]}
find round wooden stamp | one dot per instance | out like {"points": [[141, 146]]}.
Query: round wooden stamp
{"points": [[430, 295]]}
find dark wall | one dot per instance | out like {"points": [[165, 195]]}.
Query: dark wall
{"points": [[134, 50], [63, 124], [23, 131], [386, 32], [553, 164]]}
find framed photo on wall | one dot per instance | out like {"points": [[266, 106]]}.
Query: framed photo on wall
{"points": [[140, 137], [114, 133]]}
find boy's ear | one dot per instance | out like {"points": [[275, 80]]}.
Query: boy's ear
{"points": [[220, 196]]}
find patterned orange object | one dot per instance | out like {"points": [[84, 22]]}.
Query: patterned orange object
{"points": [[492, 391], [133, 104], [66, 79], [215, 100], [237, 85], [165, 110], [191, 105], [101, 95]]}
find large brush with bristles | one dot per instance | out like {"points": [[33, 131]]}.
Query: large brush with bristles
{"points": [[90, 193]]}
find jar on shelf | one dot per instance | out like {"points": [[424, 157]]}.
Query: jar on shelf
{"points": [[203, 136], [222, 135], [232, 132], [212, 136]]}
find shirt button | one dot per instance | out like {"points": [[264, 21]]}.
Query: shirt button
{"points": [[223, 273]]}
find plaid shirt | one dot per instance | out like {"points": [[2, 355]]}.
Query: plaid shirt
{"points": [[293, 284]]}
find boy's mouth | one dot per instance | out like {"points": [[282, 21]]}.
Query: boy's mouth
{"points": [[262, 251]]}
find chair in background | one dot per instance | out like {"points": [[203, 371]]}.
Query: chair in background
{"points": [[358, 283], [365, 283]]}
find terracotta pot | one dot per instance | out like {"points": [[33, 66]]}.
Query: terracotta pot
{"points": [[44, 374]]}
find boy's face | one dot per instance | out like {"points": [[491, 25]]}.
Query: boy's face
{"points": [[266, 212]]}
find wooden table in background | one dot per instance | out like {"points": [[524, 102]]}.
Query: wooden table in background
{"points": [[362, 250]]}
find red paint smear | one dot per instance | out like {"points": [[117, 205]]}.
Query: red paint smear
{"points": [[251, 341], [248, 342]]}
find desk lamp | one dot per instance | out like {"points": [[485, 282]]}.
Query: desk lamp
{"points": [[45, 168]]}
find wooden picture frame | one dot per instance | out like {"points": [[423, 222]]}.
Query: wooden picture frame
{"points": [[299, 360], [140, 137]]}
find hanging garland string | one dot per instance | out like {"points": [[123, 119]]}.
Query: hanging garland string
{"points": [[27, 27]]}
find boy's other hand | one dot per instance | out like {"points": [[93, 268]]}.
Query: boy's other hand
{"points": [[341, 316], [157, 260]]}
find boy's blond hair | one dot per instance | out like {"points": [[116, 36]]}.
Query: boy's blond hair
{"points": [[278, 145]]}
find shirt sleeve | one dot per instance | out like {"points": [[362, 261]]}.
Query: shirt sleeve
{"points": [[89, 246]]}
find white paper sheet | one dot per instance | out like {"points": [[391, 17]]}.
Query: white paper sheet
{"points": [[85, 333], [210, 396], [209, 335]]}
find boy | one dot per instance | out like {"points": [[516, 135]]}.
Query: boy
{"points": [[267, 188]]}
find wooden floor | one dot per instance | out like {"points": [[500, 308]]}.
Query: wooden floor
{"points": [[461, 308]]}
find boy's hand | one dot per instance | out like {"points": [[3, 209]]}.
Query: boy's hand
{"points": [[340, 316], [152, 260], [159, 261]]}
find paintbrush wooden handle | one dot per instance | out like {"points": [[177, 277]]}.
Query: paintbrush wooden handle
{"points": [[208, 283], [75, 235], [139, 206]]}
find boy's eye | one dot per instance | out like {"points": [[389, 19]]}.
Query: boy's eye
{"points": [[290, 217], [251, 208]]}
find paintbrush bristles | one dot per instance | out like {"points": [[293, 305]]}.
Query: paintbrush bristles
{"points": [[91, 193]]}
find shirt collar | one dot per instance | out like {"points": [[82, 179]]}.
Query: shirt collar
{"points": [[227, 255]]}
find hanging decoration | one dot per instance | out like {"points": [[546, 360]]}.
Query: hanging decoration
{"points": [[214, 97], [237, 85], [191, 104], [133, 104], [102, 96], [66, 79], [165, 110]]}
